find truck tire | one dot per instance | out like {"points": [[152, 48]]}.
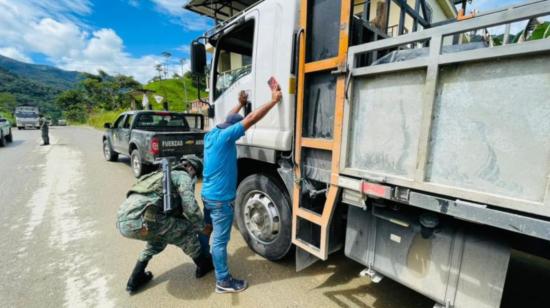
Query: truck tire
{"points": [[108, 153], [2, 140], [264, 216], [9, 137], [137, 164]]}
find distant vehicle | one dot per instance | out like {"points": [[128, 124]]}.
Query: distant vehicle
{"points": [[5, 132], [146, 136], [61, 122], [27, 117]]}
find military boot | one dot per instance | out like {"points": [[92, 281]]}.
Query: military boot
{"points": [[204, 265], [139, 277]]}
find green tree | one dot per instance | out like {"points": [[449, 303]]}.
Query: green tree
{"points": [[107, 92], [73, 104], [8, 102]]}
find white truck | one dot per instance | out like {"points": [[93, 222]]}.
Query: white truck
{"points": [[27, 117], [411, 136]]}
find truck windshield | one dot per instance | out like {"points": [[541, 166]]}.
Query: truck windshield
{"points": [[24, 114], [162, 121]]}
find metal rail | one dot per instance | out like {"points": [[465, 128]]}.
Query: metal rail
{"points": [[432, 63]]}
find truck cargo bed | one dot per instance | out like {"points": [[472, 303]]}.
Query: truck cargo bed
{"points": [[473, 124]]}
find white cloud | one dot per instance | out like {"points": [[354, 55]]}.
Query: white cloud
{"points": [[53, 28], [190, 21], [186, 49], [172, 7], [105, 51], [14, 53], [134, 3], [54, 38]]}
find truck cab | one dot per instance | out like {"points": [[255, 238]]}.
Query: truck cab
{"points": [[252, 43]]}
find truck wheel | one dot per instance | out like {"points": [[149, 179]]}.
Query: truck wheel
{"points": [[264, 216], [137, 164], [2, 140], [9, 137], [108, 152]]}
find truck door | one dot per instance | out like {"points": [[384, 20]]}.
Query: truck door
{"points": [[274, 52], [116, 139], [232, 70], [124, 133]]}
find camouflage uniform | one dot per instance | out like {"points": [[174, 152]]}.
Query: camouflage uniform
{"points": [[45, 130], [140, 216]]}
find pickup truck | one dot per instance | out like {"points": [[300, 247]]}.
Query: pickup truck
{"points": [[5, 132], [146, 136]]}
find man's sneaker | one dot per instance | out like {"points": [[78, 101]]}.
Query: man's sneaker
{"points": [[231, 285]]}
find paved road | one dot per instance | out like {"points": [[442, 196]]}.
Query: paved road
{"points": [[59, 245]]}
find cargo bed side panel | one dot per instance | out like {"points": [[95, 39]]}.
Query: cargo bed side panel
{"points": [[491, 130], [489, 140]]}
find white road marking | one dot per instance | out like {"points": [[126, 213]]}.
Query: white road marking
{"points": [[55, 201]]}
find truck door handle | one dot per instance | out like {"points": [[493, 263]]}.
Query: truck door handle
{"points": [[247, 108]]}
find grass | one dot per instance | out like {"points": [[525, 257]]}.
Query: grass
{"points": [[174, 90], [100, 117], [8, 116]]}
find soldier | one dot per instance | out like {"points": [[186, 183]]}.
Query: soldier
{"points": [[141, 217], [44, 128]]}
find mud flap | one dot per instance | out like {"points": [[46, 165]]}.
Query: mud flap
{"points": [[304, 259]]}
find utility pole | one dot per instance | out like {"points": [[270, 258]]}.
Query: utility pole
{"points": [[167, 56], [182, 62]]}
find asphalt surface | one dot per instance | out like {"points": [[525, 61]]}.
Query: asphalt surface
{"points": [[60, 248]]}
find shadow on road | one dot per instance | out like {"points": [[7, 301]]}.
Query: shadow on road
{"points": [[123, 159], [526, 282], [340, 269], [15, 143]]}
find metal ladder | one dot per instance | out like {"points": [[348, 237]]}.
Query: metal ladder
{"points": [[336, 65]]}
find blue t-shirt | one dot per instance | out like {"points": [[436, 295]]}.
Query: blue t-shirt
{"points": [[220, 163]]}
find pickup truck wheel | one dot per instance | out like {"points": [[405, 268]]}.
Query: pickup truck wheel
{"points": [[9, 137], [264, 217], [108, 152], [2, 140], [137, 164]]}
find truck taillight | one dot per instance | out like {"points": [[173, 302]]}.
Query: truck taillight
{"points": [[155, 149], [376, 190]]}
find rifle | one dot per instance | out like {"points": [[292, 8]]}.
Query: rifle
{"points": [[167, 185]]}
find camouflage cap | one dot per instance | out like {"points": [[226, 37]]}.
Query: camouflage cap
{"points": [[194, 161]]}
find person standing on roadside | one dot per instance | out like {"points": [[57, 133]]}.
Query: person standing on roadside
{"points": [[45, 130], [220, 182]]}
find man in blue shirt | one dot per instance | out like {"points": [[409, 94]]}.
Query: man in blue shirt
{"points": [[220, 183]]}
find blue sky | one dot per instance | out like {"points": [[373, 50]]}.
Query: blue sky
{"points": [[118, 36]]}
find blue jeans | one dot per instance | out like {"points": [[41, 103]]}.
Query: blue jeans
{"points": [[221, 214], [203, 238]]}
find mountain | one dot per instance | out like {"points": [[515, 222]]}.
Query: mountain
{"points": [[44, 74], [37, 85]]}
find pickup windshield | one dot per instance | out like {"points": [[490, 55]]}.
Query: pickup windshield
{"points": [[162, 122]]}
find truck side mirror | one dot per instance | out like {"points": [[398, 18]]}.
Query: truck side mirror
{"points": [[107, 125], [211, 111], [198, 58]]}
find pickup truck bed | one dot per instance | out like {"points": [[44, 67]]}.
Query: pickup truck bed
{"points": [[147, 136]]}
